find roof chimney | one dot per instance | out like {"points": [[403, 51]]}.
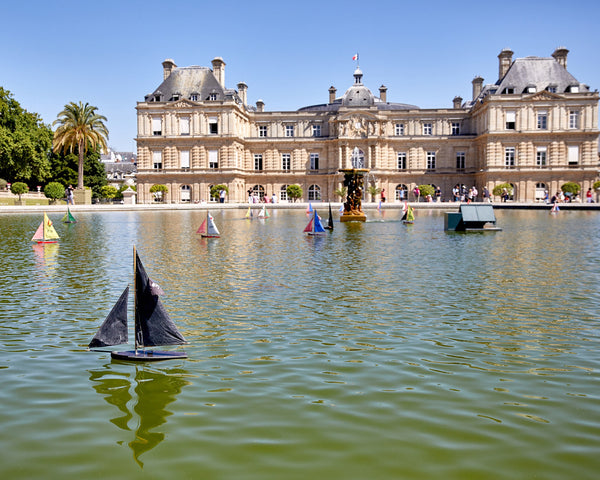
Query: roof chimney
{"points": [[457, 102], [383, 93], [260, 106], [505, 58], [168, 66], [219, 70], [560, 55], [332, 91], [242, 91], [477, 85]]}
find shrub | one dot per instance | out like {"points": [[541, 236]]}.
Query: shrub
{"points": [[54, 191], [19, 188], [294, 192]]}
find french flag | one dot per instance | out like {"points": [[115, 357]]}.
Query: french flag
{"points": [[355, 57]]}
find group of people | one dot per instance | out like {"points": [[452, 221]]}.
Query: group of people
{"points": [[460, 193], [253, 197]]}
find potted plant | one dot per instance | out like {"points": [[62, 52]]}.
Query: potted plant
{"points": [[160, 192], [294, 192]]}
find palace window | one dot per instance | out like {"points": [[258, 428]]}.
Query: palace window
{"points": [[460, 160], [401, 193], [184, 159], [510, 120], [430, 160], [314, 161], [427, 129], [401, 160], [213, 125], [262, 131], [194, 97], [156, 126], [573, 155], [314, 193], [184, 125], [289, 130], [283, 196], [509, 157], [286, 162], [185, 194], [399, 129], [542, 120], [213, 159], [573, 119], [455, 128], [258, 161], [540, 156], [551, 88], [157, 160], [316, 130], [212, 97]]}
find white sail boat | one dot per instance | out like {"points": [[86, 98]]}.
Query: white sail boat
{"points": [[208, 228]]}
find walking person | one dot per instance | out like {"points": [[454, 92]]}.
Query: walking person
{"points": [[69, 195]]}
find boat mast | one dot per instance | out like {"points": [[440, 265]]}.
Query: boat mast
{"points": [[135, 340]]}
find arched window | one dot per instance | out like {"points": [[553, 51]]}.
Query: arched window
{"points": [[185, 194], [283, 196], [314, 193], [541, 192], [259, 192], [357, 158], [401, 193]]}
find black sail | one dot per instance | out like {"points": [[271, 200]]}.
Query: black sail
{"points": [[114, 329], [153, 326]]}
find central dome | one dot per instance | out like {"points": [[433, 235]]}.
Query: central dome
{"points": [[358, 95]]}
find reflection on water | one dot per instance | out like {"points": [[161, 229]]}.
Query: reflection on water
{"points": [[153, 391], [378, 350]]}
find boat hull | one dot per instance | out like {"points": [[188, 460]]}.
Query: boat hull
{"points": [[147, 355]]}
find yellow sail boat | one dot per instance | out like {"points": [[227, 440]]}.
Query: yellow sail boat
{"points": [[45, 232]]}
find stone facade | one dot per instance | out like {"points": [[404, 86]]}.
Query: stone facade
{"points": [[535, 128]]}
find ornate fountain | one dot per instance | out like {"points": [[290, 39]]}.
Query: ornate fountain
{"points": [[354, 183]]}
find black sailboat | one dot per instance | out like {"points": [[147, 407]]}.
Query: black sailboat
{"points": [[153, 326], [330, 220]]}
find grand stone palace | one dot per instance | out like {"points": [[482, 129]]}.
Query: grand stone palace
{"points": [[536, 128]]}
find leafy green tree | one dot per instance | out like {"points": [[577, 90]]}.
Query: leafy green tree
{"points": [[159, 191], [25, 143], [108, 191], [426, 190], [80, 128], [54, 191], [64, 170], [215, 190], [497, 191], [294, 192], [571, 187], [19, 188], [595, 186]]}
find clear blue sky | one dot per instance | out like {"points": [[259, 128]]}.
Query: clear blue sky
{"points": [[109, 53]]}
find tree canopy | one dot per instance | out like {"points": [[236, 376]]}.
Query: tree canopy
{"points": [[25, 143], [80, 128]]}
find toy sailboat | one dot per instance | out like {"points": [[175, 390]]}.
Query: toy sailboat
{"points": [[309, 209], [68, 218], [314, 227], [208, 227], [249, 214], [330, 220], [409, 214], [263, 213], [45, 232], [153, 326]]}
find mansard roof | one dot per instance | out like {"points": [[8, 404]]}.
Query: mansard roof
{"points": [[540, 73], [186, 81]]}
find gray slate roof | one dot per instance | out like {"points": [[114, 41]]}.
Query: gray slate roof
{"points": [[187, 81], [538, 72]]}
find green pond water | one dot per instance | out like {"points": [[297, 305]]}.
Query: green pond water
{"points": [[379, 351]]}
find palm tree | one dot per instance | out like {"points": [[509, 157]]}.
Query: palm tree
{"points": [[79, 127]]}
